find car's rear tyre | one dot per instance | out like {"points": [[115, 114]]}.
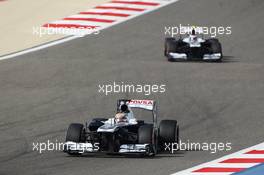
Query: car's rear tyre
{"points": [[74, 133], [168, 132], [96, 123]]}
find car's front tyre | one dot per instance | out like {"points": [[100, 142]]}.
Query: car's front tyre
{"points": [[146, 135], [215, 47], [168, 133], [74, 134]]}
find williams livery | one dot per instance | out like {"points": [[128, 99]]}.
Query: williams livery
{"points": [[123, 134], [193, 48]]}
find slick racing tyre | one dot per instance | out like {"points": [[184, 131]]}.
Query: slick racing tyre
{"points": [[145, 136], [74, 133], [96, 123], [215, 47], [169, 46], [168, 132]]}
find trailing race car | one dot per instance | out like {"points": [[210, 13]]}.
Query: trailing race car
{"points": [[123, 134], [193, 48]]}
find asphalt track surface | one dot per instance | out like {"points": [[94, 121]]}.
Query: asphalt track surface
{"points": [[42, 92]]}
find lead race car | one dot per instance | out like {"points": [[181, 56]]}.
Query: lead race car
{"points": [[193, 47], [123, 134]]}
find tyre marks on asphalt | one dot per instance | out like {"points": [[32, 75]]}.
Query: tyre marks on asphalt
{"points": [[230, 164]]}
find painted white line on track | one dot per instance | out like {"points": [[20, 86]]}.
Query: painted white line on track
{"points": [[33, 49], [78, 22]]}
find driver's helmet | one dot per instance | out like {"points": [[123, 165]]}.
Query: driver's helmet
{"points": [[193, 37], [127, 111], [124, 108], [193, 32]]}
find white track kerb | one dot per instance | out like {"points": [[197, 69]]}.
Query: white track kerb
{"points": [[229, 164], [101, 17]]}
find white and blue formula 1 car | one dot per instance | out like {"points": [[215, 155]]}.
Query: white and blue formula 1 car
{"points": [[123, 134], [193, 48]]}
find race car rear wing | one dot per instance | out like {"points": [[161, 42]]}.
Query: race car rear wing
{"points": [[143, 104], [189, 29], [149, 105]]}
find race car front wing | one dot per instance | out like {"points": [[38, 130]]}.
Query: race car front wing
{"points": [[73, 147], [183, 56]]}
